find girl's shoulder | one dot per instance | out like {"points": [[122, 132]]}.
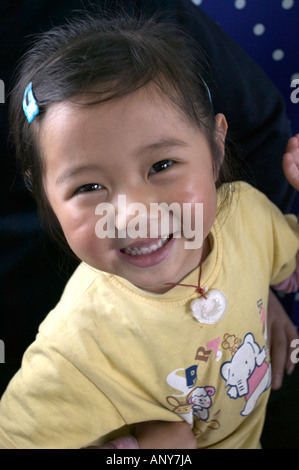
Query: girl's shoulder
{"points": [[246, 197], [81, 281], [77, 303], [247, 207]]}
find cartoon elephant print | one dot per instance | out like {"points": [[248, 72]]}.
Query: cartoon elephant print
{"points": [[247, 374]]}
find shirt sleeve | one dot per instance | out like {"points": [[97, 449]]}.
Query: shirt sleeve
{"points": [[281, 242], [50, 403], [273, 236], [291, 284], [285, 248]]}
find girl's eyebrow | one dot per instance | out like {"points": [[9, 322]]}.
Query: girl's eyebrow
{"points": [[164, 143], [68, 174]]}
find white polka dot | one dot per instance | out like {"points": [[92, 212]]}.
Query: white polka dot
{"points": [[278, 54], [295, 76], [197, 2], [287, 4], [239, 4], [258, 29]]}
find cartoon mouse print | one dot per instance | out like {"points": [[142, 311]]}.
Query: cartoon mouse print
{"points": [[248, 375], [196, 403], [201, 402]]}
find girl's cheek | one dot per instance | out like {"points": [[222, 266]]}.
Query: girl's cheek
{"points": [[79, 227]]}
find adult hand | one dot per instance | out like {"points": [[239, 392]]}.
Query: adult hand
{"points": [[165, 435], [281, 332], [290, 162]]}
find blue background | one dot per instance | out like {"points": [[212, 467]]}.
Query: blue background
{"points": [[280, 19]]}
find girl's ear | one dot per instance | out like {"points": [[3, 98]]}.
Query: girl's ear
{"points": [[221, 130], [220, 134]]}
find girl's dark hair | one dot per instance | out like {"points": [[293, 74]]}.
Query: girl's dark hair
{"points": [[102, 59]]}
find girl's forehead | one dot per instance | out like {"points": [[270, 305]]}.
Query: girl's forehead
{"points": [[147, 105], [141, 123]]}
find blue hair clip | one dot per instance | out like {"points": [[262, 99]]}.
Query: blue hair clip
{"points": [[208, 90], [30, 105]]}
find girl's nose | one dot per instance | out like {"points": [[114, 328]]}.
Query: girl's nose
{"points": [[130, 205], [125, 211], [146, 217]]}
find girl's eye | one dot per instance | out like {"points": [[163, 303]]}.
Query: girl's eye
{"points": [[161, 166], [88, 188]]}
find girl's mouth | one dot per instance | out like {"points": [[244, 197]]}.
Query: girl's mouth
{"points": [[145, 250], [147, 253]]}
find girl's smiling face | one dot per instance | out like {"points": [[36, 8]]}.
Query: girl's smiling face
{"points": [[139, 146]]}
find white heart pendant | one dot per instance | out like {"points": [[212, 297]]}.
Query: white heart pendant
{"points": [[211, 309]]}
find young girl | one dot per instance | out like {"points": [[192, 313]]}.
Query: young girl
{"points": [[149, 327]]}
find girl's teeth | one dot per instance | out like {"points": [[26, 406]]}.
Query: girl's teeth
{"points": [[135, 251]]}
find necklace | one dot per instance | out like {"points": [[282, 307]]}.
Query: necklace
{"points": [[211, 306]]}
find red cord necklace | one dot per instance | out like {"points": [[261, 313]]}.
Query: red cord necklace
{"points": [[199, 289], [211, 306]]}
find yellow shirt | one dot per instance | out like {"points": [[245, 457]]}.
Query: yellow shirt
{"points": [[110, 355]]}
